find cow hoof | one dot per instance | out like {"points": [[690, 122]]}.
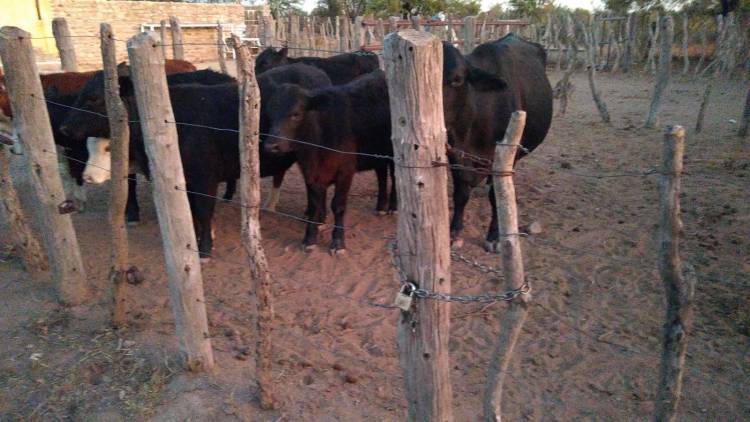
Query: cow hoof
{"points": [[457, 243], [492, 247], [392, 212], [309, 248], [381, 212], [337, 252], [205, 260]]}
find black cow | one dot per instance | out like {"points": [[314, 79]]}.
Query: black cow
{"points": [[58, 108], [341, 68], [353, 118], [80, 125], [480, 91]]}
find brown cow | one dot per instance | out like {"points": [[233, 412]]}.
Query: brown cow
{"points": [[66, 83]]}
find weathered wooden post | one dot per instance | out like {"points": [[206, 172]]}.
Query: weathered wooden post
{"points": [[294, 38], [163, 35], [704, 104], [392, 25], [679, 281], [601, 106], [630, 34], [512, 263], [344, 29], [25, 241], [469, 34], [178, 50], [414, 63], [665, 64], [359, 33], [119, 147], [251, 236], [220, 48], [175, 220], [31, 123], [745, 119], [414, 19], [64, 43], [267, 38], [685, 44]]}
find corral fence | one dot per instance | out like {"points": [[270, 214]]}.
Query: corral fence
{"points": [[421, 252]]}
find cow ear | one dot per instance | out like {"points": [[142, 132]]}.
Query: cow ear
{"points": [[123, 69], [485, 81], [316, 102], [283, 52]]}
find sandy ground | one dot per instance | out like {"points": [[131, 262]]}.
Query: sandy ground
{"points": [[589, 350]]}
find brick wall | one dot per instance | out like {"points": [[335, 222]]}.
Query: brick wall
{"points": [[126, 17]]}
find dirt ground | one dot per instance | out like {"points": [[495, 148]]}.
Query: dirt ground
{"points": [[590, 348]]}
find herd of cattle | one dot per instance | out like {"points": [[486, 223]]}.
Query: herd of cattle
{"points": [[311, 108]]}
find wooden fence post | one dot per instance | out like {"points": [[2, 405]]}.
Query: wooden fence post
{"points": [[178, 48], [251, 235], [344, 29], [119, 147], [163, 34], [665, 64], [601, 106], [359, 33], [269, 30], [414, 63], [25, 241], [629, 53], [175, 220], [679, 281], [685, 44], [31, 123], [512, 263], [220, 48], [64, 43], [704, 105], [745, 119], [392, 25], [469, 34]]}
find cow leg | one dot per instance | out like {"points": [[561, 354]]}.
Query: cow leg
{"points": [[381, 171], [132, 210], [461, 194], [338, 207], [231, 189], [492, 244], [317, 214], [273, 198], [393, 201], [202, 208]]}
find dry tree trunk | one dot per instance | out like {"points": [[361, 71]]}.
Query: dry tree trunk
{"points": [[685, 44], [704, 46], [601, 106], [704, 105]]}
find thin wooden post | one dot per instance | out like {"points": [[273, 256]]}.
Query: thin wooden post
{"points": [[220, 48], [359, 33], [392, 25], [666, 28], [704, 105], [344, 29], [251, 236], [25, 241], [31, 123], [119, 147], [630, 34], [414, 63], [745, 119], [414, 19], [178, 50], [679, 281], [685, 44], [64, 43], [512, 263], [601, 106], [163, 34], [704, 46], [268, 38], [175, 220], [469, 34], [294, 38]]}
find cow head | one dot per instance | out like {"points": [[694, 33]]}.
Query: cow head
{"points": [[460, 81], [270, 58], [81, 121], [287, 112], [100, 161]]}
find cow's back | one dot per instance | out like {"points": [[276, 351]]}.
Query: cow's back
{"points": [[522, 64]]}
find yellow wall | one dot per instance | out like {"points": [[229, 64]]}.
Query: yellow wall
{"points": [[24, 14]]}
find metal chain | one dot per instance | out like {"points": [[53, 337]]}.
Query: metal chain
{"points": [[411, 290], [476, 264]]}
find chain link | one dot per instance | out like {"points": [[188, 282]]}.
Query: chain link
{"points": [[476, 264], [410, 289]]}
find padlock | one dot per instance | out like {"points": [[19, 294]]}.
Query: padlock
{"points": [[404, 297]]}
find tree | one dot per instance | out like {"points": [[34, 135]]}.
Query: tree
{"points": [[530, 8], [281, 8]]}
